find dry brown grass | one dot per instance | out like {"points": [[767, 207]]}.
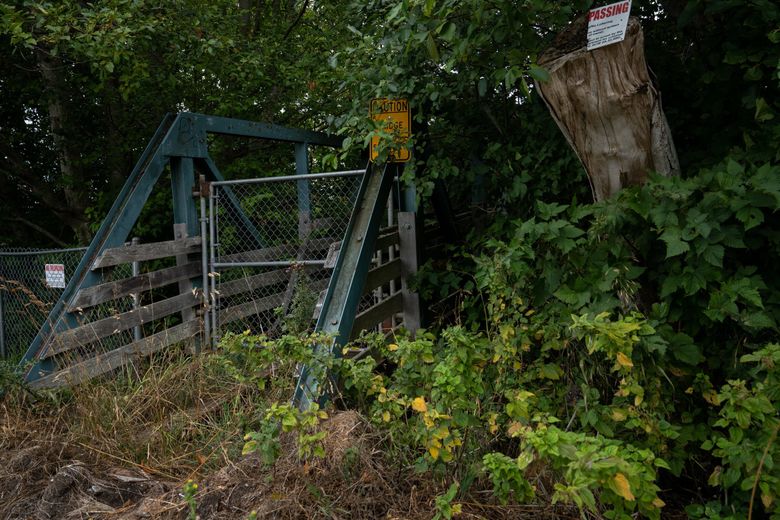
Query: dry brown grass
{"points": [[122, 448]]}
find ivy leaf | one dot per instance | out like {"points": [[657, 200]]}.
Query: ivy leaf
{"points": [[622, 487], [550, 371], [418, 405], [750, 216], [624, 361], [759, 320], [763, 110], [433, 50], [686, 351], [674, 243], [713, 255], [539, 73]]}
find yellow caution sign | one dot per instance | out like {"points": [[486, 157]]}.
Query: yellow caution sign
{"points": [[397, 119]]}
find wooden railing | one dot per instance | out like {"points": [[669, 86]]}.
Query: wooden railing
{"points": [[79, 353]]}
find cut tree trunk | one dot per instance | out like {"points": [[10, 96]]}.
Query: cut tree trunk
{"points": [[606, 105]]}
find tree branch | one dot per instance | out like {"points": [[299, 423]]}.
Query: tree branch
{"points": [[37, 228], [297, 20]]}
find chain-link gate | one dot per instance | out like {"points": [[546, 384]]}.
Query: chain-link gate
{"points": [[269, 242]]}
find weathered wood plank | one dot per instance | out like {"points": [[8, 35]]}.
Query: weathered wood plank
{"points": [[250, 283], [142, 252], [385, 241], [102, 293], [410, 250], [257, 281], [96, 330], [102, 363], [237, 312], [283, 252], [383, 274], [377, 313]]}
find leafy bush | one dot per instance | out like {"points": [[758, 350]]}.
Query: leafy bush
{"points": [[599, 341]]}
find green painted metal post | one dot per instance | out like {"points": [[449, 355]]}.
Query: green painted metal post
{"points": [[182, 186], [349, 276], [304, 190]]}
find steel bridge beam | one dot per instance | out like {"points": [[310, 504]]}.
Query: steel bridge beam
{"points": [[179, 139], [349, 276]]}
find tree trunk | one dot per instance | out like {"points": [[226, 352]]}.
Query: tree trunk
{"points": [[73, 188], [607, 107]]}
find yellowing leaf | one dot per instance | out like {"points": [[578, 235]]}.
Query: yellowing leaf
{"points": [[622, 487], [427, 358], [711, 396], [714, 478], [657, 502], [418, 405], [386, 416], [619, 415], [514, 429], [624, 361], [434, 451], [767, 500], [392, 347]]}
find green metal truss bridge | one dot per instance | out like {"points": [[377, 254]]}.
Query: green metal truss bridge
{"points": [[240, 251]]}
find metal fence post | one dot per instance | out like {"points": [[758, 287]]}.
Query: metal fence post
{"points": [[204, 256], [136, 266], [2, 324]]}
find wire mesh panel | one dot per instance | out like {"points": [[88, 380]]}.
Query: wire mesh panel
{"points": [[26, 296], [31, 283], [272, 237]]}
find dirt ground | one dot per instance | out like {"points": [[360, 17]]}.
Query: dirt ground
{"points": [[42, 478]]}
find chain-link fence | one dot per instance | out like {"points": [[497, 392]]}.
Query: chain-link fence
{"points": [[31, 282], [270, 241]]}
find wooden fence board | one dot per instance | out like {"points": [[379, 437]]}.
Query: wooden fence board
{"points": [[385, 241], [377, 313], [97, 294], [96, 330], [250, 283], [383, 274], [237, 312], [142, 252], [102, 363]]}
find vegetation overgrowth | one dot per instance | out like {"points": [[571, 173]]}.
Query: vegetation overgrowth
{"points": [[619, 357]]}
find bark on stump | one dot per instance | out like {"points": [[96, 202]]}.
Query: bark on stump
{"points": [[607, 107]]}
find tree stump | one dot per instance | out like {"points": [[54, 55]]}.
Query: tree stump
{"points": [[607, 106]]}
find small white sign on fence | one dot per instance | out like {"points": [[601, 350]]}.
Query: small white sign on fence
{"points": [[608, 24], [55, 275]]}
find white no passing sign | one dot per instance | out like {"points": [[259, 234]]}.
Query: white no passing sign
{"points": [[608, 24], [55, 275]]}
